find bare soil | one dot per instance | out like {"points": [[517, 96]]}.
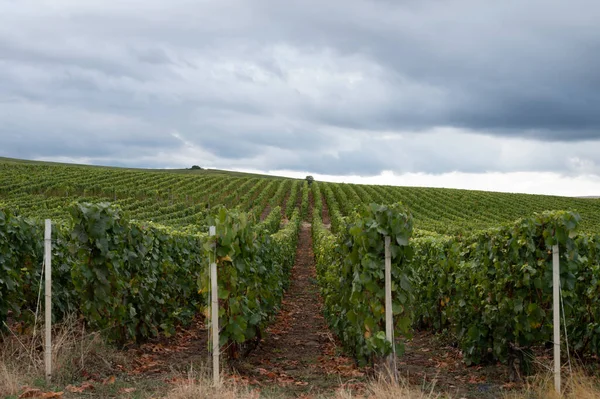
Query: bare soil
{"points": [[299, 354], [188, 348], [265, 212], [430, 363]]}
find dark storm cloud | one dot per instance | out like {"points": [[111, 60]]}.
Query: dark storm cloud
{"points": [[353, 87], [505, 68]]}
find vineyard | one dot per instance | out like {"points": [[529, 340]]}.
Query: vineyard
{"points": [[182, 199], [131, 250]]}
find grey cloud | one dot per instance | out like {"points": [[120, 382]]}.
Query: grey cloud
{"points": [[324, 81]]}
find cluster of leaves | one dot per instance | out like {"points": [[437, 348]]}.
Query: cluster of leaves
{"points": [[282, 189], [19, 257], [272, 222], [493, 290], [351, 270], [335, 214], [133, 280], [291, 201], [304, 204], [128, 280], [21, 265], [253, 270], [585, 323], [260, 202]]}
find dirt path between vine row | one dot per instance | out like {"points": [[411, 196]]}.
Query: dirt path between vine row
{"points": [[299, 356], [265, 212]]}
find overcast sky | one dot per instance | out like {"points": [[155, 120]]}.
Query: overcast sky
{"points": [[501, 95]]}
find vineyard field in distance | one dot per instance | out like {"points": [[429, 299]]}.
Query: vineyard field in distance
{"points": [[181, 198]]}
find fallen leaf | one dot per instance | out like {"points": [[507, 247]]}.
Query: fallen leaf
{"points": [[30, 393], [267, 373], [78, 389], [127, 390], [110, 380], [48, 395], [37, 393]]}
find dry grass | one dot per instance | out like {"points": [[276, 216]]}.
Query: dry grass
{"points": [[10, 380], [541, 386], [198, 385], [74, 349], [575, 386], [201, 387], [384, 389]]}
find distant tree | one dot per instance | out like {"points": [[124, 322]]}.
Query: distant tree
{"points": [[196, 167], [310, 179]]}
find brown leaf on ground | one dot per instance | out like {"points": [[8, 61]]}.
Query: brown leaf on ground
{"points": [[30, 393], [37, 393], [127, 390], [110, 380], [78, 389], [49, 395], [267, 373], [180, 380]]}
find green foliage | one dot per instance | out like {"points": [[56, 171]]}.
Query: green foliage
{"points": [[334, 211], [21, 266], [584, 325], [133, 280], [20, 253], [317, 200], [181, 199], [452, 211], [482, 286], [493, 290], [304, 204], [272, 222], [253, 269], [264, 197], [291, 201], [351, 273]]}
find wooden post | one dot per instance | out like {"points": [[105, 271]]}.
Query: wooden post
{"points": [[389, 324], [556, 304], [214, 315], [48, 298]]}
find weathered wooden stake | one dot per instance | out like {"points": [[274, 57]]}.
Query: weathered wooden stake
{"points": [[48, 298], [214, 319], [389, 323], [556, 304]]}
